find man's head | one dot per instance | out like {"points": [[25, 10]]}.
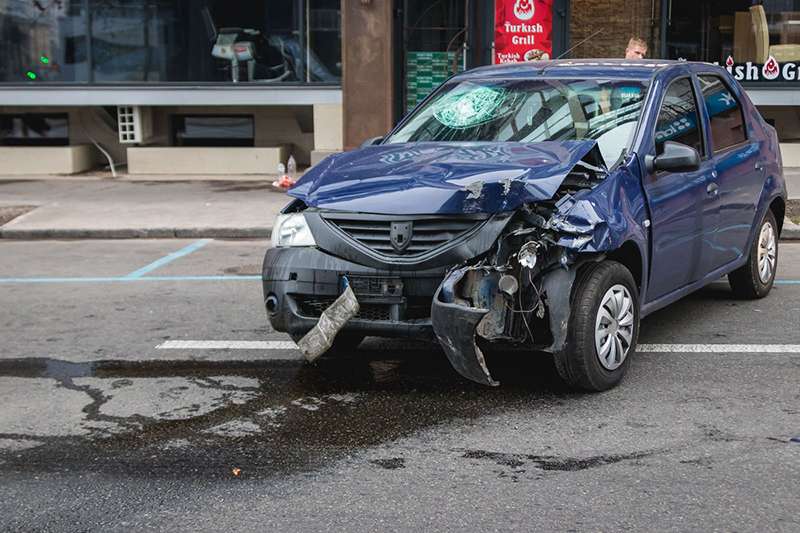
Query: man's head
{"points": [[637, 49]]}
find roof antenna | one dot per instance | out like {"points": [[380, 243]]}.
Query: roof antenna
{"points": [[580, 43]]}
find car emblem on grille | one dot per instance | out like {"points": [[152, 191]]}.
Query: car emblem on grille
{"points": [[400, 234]]}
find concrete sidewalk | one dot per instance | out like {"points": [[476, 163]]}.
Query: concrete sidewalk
{"points": [[92, 208], [95, 207]]}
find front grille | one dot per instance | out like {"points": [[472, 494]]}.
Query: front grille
{"points": [[416, 308], [427, 233], [313, 306]]}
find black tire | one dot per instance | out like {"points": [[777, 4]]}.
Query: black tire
{"points": [[343, 343], [578, 363], [746, 280]]}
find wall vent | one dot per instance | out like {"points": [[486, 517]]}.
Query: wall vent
{"points": [[135, 124]]}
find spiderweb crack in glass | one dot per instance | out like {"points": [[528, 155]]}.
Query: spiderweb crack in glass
{"points": [[464, 110]]}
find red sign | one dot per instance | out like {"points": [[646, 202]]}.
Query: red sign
{"points": [[523, 30], [772, 70]]}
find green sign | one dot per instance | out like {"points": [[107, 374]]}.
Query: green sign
{"points": [[427, 70]]}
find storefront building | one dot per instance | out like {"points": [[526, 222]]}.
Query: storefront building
{"points": [[206, 86]]}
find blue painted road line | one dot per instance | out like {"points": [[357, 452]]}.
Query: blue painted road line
{"points": [[127, 279], [168, 259], [787, 282]]}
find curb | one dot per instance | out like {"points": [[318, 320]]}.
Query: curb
{"points": [[138, 233], [791, 231]]}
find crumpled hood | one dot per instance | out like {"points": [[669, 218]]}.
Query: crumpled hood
{"points": [[440, 178]]}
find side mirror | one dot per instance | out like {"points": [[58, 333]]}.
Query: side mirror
{"points": [[676, 157], [371, 142]]}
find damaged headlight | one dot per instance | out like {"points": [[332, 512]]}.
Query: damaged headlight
{"points": [[292, 230]]}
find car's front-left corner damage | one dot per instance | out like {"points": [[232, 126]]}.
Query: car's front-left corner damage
{"points": [[519, 293]]}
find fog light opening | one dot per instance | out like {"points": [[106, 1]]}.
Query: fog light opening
{"points": [[272, 304]]}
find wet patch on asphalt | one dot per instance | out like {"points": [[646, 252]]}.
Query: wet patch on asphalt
{"points": [[549, 462], [252, 270], [275, 417], [392, 463], [173, 418], [243, 186]]}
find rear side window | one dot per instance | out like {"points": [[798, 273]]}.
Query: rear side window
{"points": [[724, 112], [678, 119]]}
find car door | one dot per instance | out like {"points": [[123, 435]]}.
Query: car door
{"points": [[739, 176], [681, 210]]}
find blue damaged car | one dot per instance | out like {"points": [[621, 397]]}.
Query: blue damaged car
{"points": [[547, 206]]}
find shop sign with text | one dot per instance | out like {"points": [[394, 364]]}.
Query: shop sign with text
{"points": [[771, 71], [523, 30]]}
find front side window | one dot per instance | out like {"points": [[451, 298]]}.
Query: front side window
{"points": [[678, 120], [530, 111], [724, 113]]}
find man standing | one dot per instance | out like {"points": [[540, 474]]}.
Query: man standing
{"points": [[637, 48]]}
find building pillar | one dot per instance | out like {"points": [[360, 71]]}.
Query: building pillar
{"points": [[327, 131], [368, 70]]}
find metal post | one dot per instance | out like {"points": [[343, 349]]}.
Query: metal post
{"points": [[308, 41], [664, 23], [466, 36], [89, 48]]}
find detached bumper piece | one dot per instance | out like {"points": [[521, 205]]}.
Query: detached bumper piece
{"points": [[321, 337], [454, 325]]}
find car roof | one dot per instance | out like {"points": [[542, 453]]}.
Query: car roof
{"points": [[639, 69]]}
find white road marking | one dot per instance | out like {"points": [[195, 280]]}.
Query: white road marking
{"points": [[651, 348], [719, 348], [227, 345]]}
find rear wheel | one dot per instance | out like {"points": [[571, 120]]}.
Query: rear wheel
{"points": [[603, 328], [756, 277]]}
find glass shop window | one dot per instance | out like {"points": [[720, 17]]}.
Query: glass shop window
{"points": [[678, 119], [213, 130], [725, 114], [153, 41], [745, 30], [34, 129], [43, 42]]}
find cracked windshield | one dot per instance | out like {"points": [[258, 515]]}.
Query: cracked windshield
{"points": [[529, 111]]}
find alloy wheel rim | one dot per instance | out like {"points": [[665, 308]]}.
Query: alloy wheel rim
{"points": [[767, 252], [614, 327]]}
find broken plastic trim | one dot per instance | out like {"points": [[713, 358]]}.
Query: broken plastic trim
{"points": [[454, 325], [320, 339]]}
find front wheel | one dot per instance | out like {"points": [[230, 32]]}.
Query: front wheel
{"points": [[755, 279], [603, 328]]}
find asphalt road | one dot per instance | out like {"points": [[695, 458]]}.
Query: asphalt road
{"points": [[103, 430]]}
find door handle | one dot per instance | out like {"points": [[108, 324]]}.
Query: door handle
{"points": [[759, 167], [712, 188]]}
